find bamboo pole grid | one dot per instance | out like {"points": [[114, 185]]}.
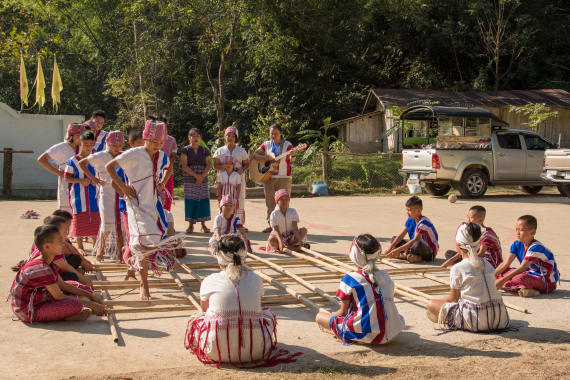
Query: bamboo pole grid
{"points": [[281, 277]]}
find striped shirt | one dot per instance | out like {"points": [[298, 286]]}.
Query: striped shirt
{"points": [[28, 288], [494, 253], [542, 260], [365, 320], [82, 198], [426, 228], [100, 140]]}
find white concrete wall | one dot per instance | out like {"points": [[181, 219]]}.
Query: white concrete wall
{"points": [[31, 132]]}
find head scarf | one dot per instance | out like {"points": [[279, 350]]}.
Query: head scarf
{"points": [[231, 129], [230, 261], [280, 193], [91, 124], [74, 129], [465, 241], [361, 259], [115, 137], [225, 200], [154, 130]]}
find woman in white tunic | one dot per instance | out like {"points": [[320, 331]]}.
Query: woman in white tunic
{"points": [[474, 303], [61, 153], [146, 169], [110, 237], [241, 163], [234, 328]]}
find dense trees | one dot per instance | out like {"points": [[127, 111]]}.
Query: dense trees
{"points": [[209, 63]]}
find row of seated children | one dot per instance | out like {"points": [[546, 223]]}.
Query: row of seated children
{"points": [[38, 292]]}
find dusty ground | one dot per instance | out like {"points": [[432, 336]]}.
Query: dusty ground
{"points": [[152, 344]]}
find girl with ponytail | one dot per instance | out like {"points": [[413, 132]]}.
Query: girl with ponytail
{"points": [[473, 304], [367, 311], [233, 327]]}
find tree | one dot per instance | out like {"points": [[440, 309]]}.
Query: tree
{"points": [[502, 35], [537, 114]]}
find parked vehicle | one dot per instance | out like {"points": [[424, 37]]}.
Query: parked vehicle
{"points": [[470, 161], [556, 168]]}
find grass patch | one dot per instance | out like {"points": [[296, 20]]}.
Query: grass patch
{"points": [[337, 370]]}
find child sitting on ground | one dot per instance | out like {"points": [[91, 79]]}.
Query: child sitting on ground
{"points": [[538, 272], [284, 223], [490, 248], [69, 249], [423, 244], [367, 311], [474, 304], [38, 294], [227, 223], [229, 181]]}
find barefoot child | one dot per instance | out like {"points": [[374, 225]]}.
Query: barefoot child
{"points": [[110, 236], [284, 223], [38, 294], [367, 311], [83, 194], [60, 154], [473, 304], [537, 273], [146, 170], [227, 223], [229, 181], [423, 244], [490, 248]]}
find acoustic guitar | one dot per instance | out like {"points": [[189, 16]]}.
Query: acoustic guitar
{"points": [[260, 172]]}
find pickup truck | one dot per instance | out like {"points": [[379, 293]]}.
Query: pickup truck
{"points": [[556, 168], [471, 164]]}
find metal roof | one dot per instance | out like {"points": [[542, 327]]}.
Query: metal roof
{"points": [[407, 97], [425, 112]]}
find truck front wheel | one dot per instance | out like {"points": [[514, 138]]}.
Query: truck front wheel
{"points": [[473, 183], [437, 189], [564, 189]]}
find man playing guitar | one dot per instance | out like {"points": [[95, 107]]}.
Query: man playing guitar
{"points": [[282, 178]]}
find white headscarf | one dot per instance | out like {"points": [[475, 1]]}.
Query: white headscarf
{"points": [[465, 241], [361, 259], [230, 260]]}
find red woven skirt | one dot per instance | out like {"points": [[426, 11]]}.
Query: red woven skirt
{"points": [[85, 224]]}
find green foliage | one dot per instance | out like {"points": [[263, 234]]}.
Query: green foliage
{"points": [[291, 61], [537, 114]]}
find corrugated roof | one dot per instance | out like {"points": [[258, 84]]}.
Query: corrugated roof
{"points": [[406, 97]]}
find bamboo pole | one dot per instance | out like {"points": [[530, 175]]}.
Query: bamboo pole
{"points": [[315, 260], [151, 309], [189, 295], [436, 279], [110, 317], [399, 290], [300, 280], [287, 289], [327, 258]]}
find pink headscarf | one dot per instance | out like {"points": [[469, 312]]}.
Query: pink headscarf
{"points": [[231, 129], [115, 137], [74, 129], [280, 193], [225, 200], [91, 124], [154, 130]]}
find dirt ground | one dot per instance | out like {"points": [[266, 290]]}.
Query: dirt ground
{"points": [[152, 344]]}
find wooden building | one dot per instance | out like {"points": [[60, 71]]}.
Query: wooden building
{"points": [[361, 132]]}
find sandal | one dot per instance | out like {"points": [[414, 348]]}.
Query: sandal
{"points": [[267, 230], [205, 230], [190, 229]]}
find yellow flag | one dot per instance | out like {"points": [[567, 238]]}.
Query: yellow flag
{"points": [[56, 85], [23, 82], [40, 86]]}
